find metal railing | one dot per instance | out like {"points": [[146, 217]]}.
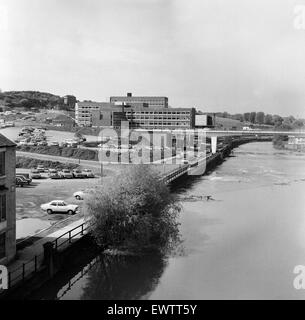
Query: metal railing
{"points": [[25, 271], [29, 268], [67, 237]]}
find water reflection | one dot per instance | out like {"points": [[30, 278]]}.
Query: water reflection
{"points": [[123, 277]]}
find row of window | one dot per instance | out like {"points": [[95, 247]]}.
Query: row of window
{"points": [[157, 112], [162, 124], [159, 118]]}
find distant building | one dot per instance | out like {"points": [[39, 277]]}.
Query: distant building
{"points": [[145, 118], [129, 100], [70, 101], [83, 111], [7, 200], [204, 121]]}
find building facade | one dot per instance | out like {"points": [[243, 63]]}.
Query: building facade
{"points": [[145, 118], [7, 200], [129, 100], [84, 110]]}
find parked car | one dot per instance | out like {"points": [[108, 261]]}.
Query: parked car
{"points": [[35, 174], [59, 206], [65, 173], [79, 195], [53, 174], [41, 168], [88, 173], [20, 182], [42, 143], [54, 143], [78, 173], [27, 179]]}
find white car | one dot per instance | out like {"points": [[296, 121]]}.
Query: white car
{"points": [[88, 173], [79, 195], [59, 206]]}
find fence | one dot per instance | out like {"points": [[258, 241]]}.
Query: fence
{"points": [[36, 264]]}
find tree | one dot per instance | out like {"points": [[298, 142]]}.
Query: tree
{"points": [[259, 117], [134, 210], [298, 124], [268, 119], [252, 117], [277, 120], [247, 117]]}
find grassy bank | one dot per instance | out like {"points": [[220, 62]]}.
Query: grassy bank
{"points": [[28, 163], [69, 152]]}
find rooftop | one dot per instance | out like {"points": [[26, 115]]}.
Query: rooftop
{"points": [[5, 142]]}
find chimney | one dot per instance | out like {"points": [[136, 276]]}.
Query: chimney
{"points": [[129, 94]]}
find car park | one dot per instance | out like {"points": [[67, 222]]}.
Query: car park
{"points": [[59, 206]]}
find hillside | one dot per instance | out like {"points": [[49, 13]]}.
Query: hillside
{"points": [[30, 99]]}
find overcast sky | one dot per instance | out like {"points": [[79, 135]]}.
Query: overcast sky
{"points": [[215, 55]]}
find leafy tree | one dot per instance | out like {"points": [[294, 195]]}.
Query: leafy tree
{"points": [[252, 117], [260, 117], [247, 116], [134, 210], [298, 124], [268, 119], [277, 120]]}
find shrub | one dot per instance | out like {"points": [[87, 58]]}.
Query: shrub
{"points": [[134, 211]]}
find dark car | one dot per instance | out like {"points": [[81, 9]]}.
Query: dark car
{"points": [[26, 178], [20, 182]]}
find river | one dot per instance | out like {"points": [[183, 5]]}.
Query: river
{"points": [[243, 244]]}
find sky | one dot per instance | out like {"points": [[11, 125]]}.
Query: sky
{"points": [[215, 55]]}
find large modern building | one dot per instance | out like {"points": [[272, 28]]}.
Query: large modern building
{"points": [[145, 117], [130, 100], [7, 200], [140, 112]]}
